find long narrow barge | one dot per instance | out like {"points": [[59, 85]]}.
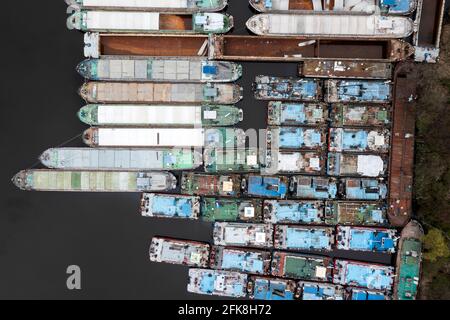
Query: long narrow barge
{"points": [[160, 115], [157, 93], [328, 26], [94, 181], [345, 69], [151, 5], [121, 159], [123, 68], [153, 22], [246, 48]]}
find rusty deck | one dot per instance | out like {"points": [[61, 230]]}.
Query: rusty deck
{"points": [[252, 48], [402, 151]]}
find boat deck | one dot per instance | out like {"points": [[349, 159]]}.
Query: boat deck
{"points": [[402, 151]]}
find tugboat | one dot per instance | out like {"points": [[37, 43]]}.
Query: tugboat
{"points": [[409, 260]]}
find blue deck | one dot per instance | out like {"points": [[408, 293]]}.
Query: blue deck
{"points": [[272, 290], [171, 206], [315, 191], [355, 140], [293, 112], [207, 284], [307, 239], [296, 138], [371, 240], [269, 187], [364, 91], [319, 292], [363, 295], [367, 277], [289, 89], [244, 261], [297, 213], [396, 6], [366, 189]]}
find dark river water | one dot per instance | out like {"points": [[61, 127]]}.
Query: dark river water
{"points": [[41, 234]]}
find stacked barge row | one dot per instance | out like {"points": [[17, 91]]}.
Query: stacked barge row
{"points": [[307, 212], [118, 68], [110, 159], [245, 48], [157, 93], [153, 22], [151, 5], [160, 115]]}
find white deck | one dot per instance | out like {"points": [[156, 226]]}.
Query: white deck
{"points": [[136, 3], [142, 137], [151, 115], [104, 20]]}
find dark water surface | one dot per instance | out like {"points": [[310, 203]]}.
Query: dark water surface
{"points": [[41, 234]]}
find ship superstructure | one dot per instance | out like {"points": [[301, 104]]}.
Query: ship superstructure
{"points": [[188, 253]]}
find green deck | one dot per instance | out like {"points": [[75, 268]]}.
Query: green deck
{"points": [[409, 274], [301, 268], [214, 209]]}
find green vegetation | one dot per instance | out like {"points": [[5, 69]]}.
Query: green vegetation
{"points": [[432, 172]]}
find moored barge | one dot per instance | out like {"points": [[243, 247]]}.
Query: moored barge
{"points": [[265, 186], [295, 138], [366, 239], [121, 159], [306, 187], [157, 93], [356, 165], [360, 115], [94, 181], [218, 283], [170, 206], [302, 267], [152, 5], [243, 234], [226, 209], [160, 115], [288, 237], [345, 69], [320, 291], [287, 89], [231, 160], [296, 114], [285, 162], [267, 288], [153, 22], [321, 6], [119, 68], [338, 26], [359, 140], [357, 213], [363, 189], [184, 252], [210, 185], [363, 91], [294, 212], [240, 259], [245, 48]]}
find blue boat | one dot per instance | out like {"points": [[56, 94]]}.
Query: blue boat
{"points": [[288, 89], [170, 206], [294, 212], [296, 114], [365, 189], [363, 275], [304, 187], [272, 289], [320, 291], [295, 138], [217, 283], [366, 239], [370, 91], [303, 238], [266, 186], [240, 259], [359, 140]]}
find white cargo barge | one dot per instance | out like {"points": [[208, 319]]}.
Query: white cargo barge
{"points": [[331, 26], [148, 22], [159, 93], [121, 159], [160, 115], [151, 5]]}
